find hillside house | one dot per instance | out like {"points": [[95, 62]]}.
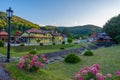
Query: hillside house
{"points": [[31, 35], [100, 39]]}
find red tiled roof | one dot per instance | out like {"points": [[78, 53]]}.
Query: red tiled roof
{"points": [[34, 30], [94, 35], [3, 32]]}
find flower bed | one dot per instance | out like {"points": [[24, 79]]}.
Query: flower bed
{"points": [[93, 73], [31, 62]]}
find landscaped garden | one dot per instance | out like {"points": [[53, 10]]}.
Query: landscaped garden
{"points": [[17, 51], [107, 58]]}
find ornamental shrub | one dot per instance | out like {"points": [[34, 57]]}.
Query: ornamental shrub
{"points": [[41, 44], [63, 42], [30, 63], [62, 48], [93, 73], [69, 40], [54, 43], [88, 53], [33, 52], [2, 43], [72, 58], [22, 44]]}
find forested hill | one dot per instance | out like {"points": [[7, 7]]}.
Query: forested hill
{"points": [[81, 30], [17, 23]]}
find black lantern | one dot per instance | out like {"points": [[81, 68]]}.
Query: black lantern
{"points": [[9, 13]]}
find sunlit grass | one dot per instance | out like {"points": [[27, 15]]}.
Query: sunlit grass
{"points": [[107, 58]]}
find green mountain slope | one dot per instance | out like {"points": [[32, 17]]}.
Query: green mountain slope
{"points": [[17, 23], [81, 30]]}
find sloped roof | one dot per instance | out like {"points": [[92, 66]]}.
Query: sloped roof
{"points": [[33, 30], [94, 35], [3, 32]]}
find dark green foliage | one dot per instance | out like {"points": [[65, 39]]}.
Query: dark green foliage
{"points": [[62, 48], [69, 40], [38, 40], [65, 31], [118, 39], [2, 43], [41, 44], [63, 42], [112, 28], [72, 58], [22, 44], [33, 52], [53, 43], [88, 53]]}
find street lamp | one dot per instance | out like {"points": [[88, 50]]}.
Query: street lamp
{"points": [[9, 13]]}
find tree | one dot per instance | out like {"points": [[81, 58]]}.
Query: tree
{"points": [[65, 31], [112, 28], [69, 40], [38, 40]]}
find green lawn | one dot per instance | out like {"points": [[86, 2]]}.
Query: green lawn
{"points": [[107, 58], [17, 51]]}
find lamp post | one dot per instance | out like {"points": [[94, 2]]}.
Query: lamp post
{"points": [[9, 15]]}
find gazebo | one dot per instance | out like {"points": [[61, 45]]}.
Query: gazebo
{"points": [[3, 35]]}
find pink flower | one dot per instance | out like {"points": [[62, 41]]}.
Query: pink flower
{"points": [[81, 78], [28, 55], [97, 66], [77, 75], [93, 70], [21, 66], [99, 75], [101, 78], [22, 59], [42, 65], [84, 72], [37, 63], [109, 75], [32, 62], [118, 73], [35, 57]]}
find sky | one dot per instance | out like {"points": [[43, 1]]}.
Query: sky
{"points": [[64, 12]]}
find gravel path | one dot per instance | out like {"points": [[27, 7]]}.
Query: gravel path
{"points": [[4, 74]]}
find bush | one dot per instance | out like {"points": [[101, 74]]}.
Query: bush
{"points": [[30, 62], [94, 73], [41, 44], [72, 58], [53, 43], [33, 52], [22, 44], [118, 39], [63, 42], [69, 40], [88, 53], [2, 43], [62, 48]]}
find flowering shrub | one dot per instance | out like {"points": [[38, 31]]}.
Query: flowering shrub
{"points": [[93, 73], [31, 62]]}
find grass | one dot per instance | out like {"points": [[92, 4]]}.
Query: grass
{"points": [[17, 51], [107, 58]]}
